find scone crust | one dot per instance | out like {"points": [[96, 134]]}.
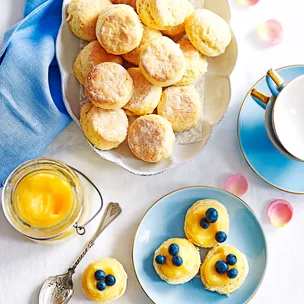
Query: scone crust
{"points": [[91, 55], [235, 283], [146, 96], [109, 86], [196, 63], [128, 2], [208, 32], [105, 129], [151, 138], [162, 62], [119, 29], [82, 17], [88, 282], [148, 35], [181, 106], [195, 263]]}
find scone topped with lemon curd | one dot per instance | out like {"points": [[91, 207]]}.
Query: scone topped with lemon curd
{"points": [[104, 281], [207, 223], [177, 261], [224, 269]]}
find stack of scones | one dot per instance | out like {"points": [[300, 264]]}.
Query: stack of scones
{"points": [[141, 60]]}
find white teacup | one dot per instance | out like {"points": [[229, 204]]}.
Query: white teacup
{"points": [[284, 115]]}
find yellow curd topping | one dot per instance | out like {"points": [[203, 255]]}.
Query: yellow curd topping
{"points": [[109, 266], [43, 199], [215, 279], [205, 237], [186, 252]]}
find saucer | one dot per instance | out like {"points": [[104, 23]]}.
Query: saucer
{"points": [[263, 158], [165, 219]]}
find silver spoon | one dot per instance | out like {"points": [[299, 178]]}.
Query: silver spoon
{"points": [[59, 289]]}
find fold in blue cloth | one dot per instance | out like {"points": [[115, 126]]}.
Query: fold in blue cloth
{"points": [[31, 106]]}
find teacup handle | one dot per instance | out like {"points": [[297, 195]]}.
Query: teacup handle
{"points": [[259, 97], [275, 82]]}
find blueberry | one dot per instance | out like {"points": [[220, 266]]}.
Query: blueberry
{"points": [[221, 236], [160, 259], [110, 280], [231, 259], [204, 223], [232, 273], [211, 215], [173, 249], [177, 261], [221, 267], [101, 285], [99, 275]]}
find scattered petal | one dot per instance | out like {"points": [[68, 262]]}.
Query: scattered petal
{"points": [[237, 184], [280, 213], [271, 31], [248, 2]]}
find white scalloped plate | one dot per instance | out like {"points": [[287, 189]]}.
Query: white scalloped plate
{"points": [[214, 89]]}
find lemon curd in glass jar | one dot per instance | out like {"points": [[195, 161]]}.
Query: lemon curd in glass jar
{"points": [[43, 199]]}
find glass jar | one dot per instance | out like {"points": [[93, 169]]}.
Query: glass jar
{"points": [[77, 203]]}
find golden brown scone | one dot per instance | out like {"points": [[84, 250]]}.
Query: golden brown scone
{"points": [[82, 17], [162, 62], [109, 85], [178, 31], [129, 2], [208, 32], [162, 14], [151, 138], [118, 29], [148, 35], [196, 63], [105, 129], [91, 55], [181, 106], [146, 96]]}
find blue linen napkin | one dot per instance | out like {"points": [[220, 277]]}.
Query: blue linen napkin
{"points": [[31, 106]]}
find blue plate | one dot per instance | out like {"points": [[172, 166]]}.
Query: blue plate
{"points": [[263, 158], [165, 219]]}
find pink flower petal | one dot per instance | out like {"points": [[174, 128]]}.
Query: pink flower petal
{"points": [[280, 213], [237, 184], [271, 31], [248, 2]]}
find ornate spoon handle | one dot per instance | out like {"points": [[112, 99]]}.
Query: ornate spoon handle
{"points": [[112, 211]]}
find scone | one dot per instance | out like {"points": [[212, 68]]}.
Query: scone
{"points": [[162, 62], [178, 31], [118, 29], [151, 138], [181, 106], [104, 281], [196, 63], [177, 261], [109, 86], [82, 17], [91, 55], [208, 32], [148, 35], [105, 129], [129, 2], [224, 269], [207, 223], [146, 96], [162, 14]]}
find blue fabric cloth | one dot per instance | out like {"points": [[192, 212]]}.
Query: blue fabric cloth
{"points": [[31, 106]]}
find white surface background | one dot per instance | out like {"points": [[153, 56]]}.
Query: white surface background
{"points": [[24, 265]]}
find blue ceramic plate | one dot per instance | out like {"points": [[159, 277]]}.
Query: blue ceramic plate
{"points": [[165, 219], [263, 158]]}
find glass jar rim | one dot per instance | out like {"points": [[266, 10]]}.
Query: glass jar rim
{"points": [[48, 232]]}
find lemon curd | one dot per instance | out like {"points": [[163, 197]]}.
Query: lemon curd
{"points": [[43, 199]]}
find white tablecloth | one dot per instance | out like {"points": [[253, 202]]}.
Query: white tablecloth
{"points": [[24, 265]]}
